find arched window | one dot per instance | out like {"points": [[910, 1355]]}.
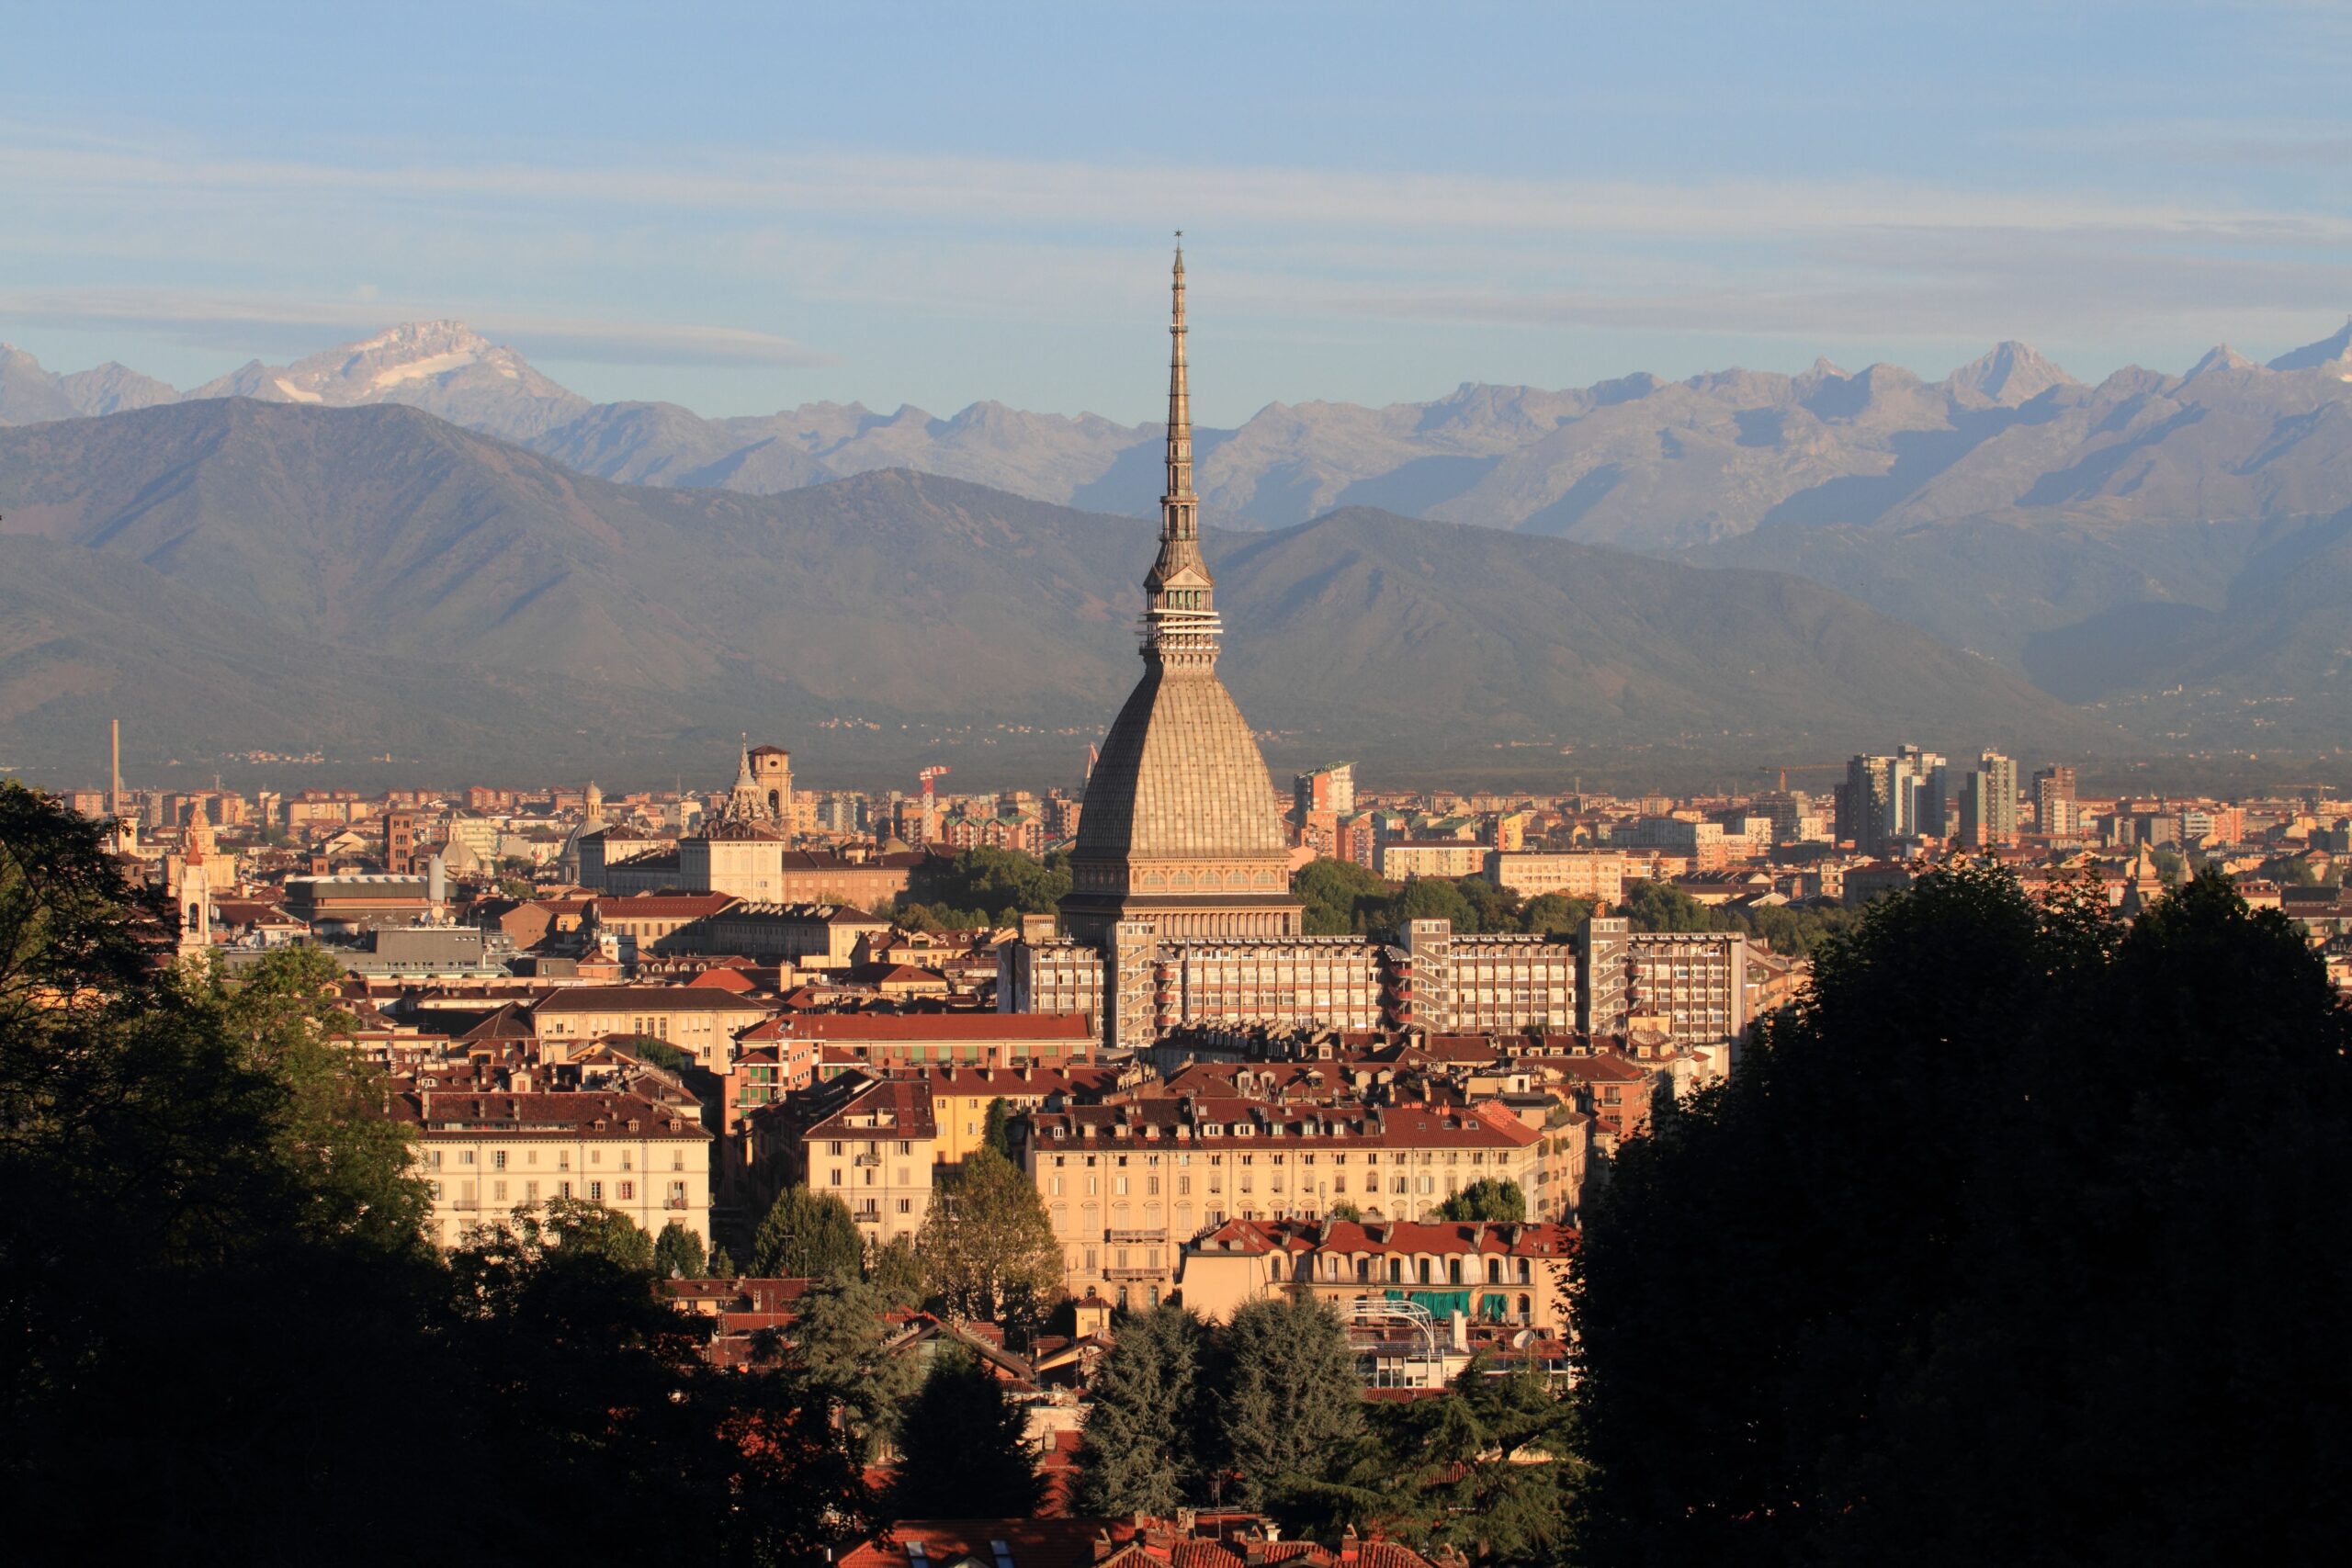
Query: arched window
{"points": [[1525, 1315], [1494, 1270]]}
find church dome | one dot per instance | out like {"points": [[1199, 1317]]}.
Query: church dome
{"points": [[1179, 777]]}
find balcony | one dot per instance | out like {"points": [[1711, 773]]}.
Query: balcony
{"points": [[868, 1158], [673, 1202], [1146, 1238], [1134, 1273]]}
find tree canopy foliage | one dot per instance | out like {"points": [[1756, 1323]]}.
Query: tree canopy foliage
{"points": [[1489, 1469], [1343, 899], [987, 1248], [964, 1446], [1488, 1198], [981, 886], [678, 1253], [1793, 929], [808, 1234], [214, 1281], [1235, 1413], [1141, 1451], [2009, 1246]]}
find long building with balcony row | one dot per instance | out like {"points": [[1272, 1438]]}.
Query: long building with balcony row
{"points": [[1691, 986], [1127, 1185]]}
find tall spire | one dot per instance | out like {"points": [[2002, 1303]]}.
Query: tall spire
{"points": [[1180, 515], [1180, 624]]}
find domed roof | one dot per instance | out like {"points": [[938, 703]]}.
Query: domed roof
{"points": [[1180, 776]]}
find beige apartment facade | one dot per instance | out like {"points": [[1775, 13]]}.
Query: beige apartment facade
{"points": [[483, 1155], [700, 1021], [1597, 875], [1126, 1185], [869, 1142]]}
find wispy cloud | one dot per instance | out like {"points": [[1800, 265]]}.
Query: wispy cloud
{"points": [[1012, 192], [251, 324]]}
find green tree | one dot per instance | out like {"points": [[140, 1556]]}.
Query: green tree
{"points": [[1338, 895], [1488, 1469], [1286, 1396], [997, 1133], [658, 1052], [807, 1236], [1140, 1450], [963, 1447], [1554, 915], [722, 1265], [895, 1270], [1431, 899], [354, 1161], [1662, 906], [1993, 1214], [1494, 909], [985, 886], [218, 1245], [579, 1225], [678, 1253], [1345, 1209], [987, 1248], [1488, 1198], [843, 1350]]}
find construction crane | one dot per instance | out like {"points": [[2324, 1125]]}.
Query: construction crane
{"points": [[929, 812]]}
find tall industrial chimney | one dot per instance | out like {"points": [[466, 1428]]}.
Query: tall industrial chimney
{"points": [[114, 769]]}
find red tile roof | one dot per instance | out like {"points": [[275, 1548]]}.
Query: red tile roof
{"points": [[852, 1028]]}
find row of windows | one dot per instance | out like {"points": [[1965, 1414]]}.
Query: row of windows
{"points": [[467, 1155], [623, 1191], [1371, 1157]]}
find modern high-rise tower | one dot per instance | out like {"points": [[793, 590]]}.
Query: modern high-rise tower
{"points": [[1180, 831]]}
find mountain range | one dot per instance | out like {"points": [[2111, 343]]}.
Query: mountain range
{"points": [[1647, 464], [2169, 548], [246, 575]]}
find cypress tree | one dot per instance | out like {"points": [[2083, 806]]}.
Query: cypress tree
{"points": [[1287, 1395], [964, 1446], [1141, 1449]]}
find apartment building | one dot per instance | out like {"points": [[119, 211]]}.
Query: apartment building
{"points": [[1691, 986], [1127, 1184], [869, 1142], [482, 1153], [1597, 875], [1497, 1272], [891, 1041], [698, 1020], [1402, 858], [808, 936]]}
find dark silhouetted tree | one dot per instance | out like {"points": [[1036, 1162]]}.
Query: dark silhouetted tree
{"points": [[2007, 1241], [963, 1447]]}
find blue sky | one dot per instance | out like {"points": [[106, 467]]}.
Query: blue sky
{"points": [[744, 208]]}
